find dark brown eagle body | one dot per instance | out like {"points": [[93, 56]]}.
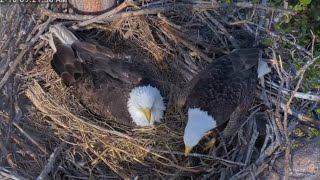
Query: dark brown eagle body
{"points": [[225, 89], [99, 78]]}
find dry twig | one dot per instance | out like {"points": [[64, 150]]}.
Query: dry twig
{"points": [[199, 156], [300, 95], [30, 138], [8, 174], [173, 33], [52, 159], [19, 58]]}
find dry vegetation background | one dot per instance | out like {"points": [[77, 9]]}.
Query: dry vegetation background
{"points": [[47, 134]]}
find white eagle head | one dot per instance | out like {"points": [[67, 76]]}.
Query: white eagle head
{"points": [[199, 122], [145, 105]]}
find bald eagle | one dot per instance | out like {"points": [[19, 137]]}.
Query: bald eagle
{"points": [[222, 93], [106, 83]]}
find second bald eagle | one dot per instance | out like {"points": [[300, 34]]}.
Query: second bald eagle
{"points": [[221, 94]]}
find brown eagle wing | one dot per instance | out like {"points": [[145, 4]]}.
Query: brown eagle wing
{"points": [[105, 99], [100, 58], [226, 88]]}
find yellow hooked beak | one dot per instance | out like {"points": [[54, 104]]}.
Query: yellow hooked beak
{"points": [[147, 113], [187, 151]]}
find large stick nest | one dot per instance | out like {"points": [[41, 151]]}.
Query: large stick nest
{"points": [[179, 38]]}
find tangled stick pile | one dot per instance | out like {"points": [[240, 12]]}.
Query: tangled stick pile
{"points": [[180, 38]]}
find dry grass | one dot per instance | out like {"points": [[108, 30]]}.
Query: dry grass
{"points": [[180, 43]]}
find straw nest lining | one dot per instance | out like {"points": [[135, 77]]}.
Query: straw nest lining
{"points": [[180, 42]]}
